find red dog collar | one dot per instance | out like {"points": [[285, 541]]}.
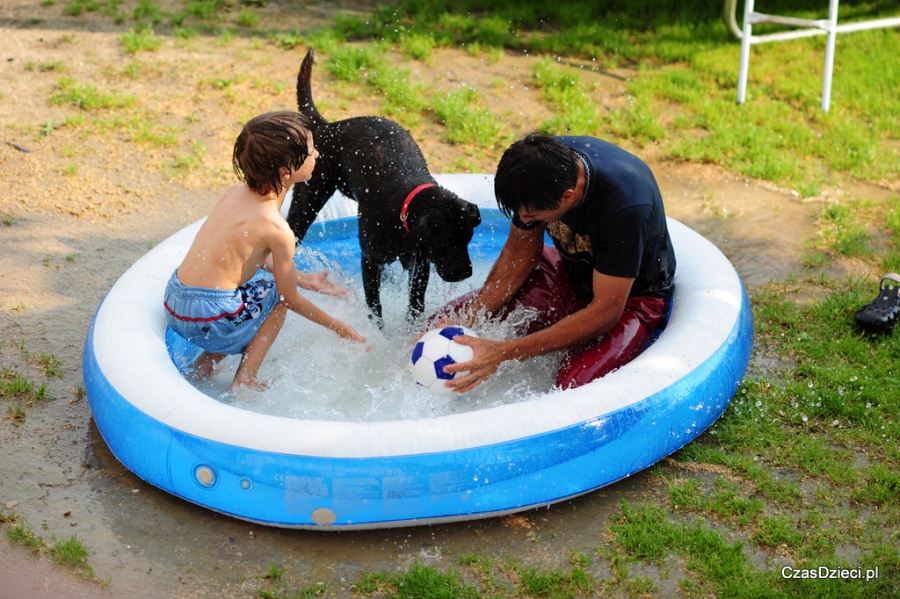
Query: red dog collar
{"points": [[409, 199]]}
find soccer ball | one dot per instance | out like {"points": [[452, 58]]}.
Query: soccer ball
{"points": [[436, 349]]}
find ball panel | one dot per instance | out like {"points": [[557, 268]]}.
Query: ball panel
{"points": [[423, 371], [436, 347], [417, 352], [439, 388], [451, 332], [460, 353], [439, 368]]}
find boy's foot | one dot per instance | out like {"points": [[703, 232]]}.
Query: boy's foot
{"points": [[881, 314]]}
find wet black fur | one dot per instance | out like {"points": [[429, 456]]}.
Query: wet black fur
{"points": [[376, 162]]}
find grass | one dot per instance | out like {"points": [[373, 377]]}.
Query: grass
{"points": [[20, 392], [71, 553], [466, 121], [136, 40], [49, 364], [87, 97]]}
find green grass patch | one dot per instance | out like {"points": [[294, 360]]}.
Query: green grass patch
{"points": [[72, 553], [417, 46], [401, 99], [840, 230], [466, 120], [87, 96], [185, 162], [14, 384], [574, 110], [137, 40], [20, 533], [418, 582], [247, 17], [49, 364]]}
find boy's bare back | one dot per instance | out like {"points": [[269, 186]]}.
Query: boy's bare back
{"points": [[236, 239]]}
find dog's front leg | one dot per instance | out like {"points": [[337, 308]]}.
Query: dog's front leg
{"points": [[371, 277], [418, 284]]}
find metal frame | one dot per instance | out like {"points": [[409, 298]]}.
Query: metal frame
{"points": [[807, 28]]}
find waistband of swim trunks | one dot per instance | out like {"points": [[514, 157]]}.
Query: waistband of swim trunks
{"points": [[207, 293]]}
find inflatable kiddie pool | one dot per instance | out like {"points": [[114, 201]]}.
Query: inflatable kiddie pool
{"points": [[317, 474]]}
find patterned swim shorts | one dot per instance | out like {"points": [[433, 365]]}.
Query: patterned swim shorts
{"points": [[221, 321]]}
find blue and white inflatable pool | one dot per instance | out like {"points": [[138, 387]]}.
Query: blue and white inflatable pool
{"points": [[344, 475]]}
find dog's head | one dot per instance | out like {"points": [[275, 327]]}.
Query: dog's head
{"points": [[441, 229]]}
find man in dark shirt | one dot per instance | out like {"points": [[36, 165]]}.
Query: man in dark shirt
{"points": [[604, 290]]}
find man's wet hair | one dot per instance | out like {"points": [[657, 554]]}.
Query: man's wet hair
{"points": [[533, 173], [268, 143]]}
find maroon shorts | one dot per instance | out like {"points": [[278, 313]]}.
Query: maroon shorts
{"points": [[549, 291]]}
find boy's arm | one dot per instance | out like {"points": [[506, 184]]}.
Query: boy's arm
{"points": [[281, 246], [317, 281]]}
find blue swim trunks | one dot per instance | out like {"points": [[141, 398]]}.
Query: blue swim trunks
{"points": [[221, 321]]}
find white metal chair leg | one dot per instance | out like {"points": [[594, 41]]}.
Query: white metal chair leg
{"points": [[745, 53], [829, 54]]}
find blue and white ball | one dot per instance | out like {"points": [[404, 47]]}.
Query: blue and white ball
{"points": [[436, 349]]}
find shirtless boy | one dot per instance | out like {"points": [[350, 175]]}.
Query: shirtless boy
{"points": [[214, 299]]}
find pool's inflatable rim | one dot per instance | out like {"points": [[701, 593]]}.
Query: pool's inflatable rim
{"points": [[686, 378]]}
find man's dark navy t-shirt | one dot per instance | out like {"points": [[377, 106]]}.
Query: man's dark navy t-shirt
{"points": [[618, 228]]}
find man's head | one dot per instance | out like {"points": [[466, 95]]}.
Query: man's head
{"points": [[533, 174], [268, 146]]}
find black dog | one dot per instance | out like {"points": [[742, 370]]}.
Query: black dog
{"points": [[403, 213]]}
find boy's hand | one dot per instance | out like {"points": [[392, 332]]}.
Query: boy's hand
{"points": [[347, 332], [319, 282]]}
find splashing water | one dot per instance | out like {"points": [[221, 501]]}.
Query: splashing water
{"points": [[316, 375]]}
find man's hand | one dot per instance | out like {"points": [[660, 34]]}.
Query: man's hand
{"points": [[488, 356], [319, 282]]}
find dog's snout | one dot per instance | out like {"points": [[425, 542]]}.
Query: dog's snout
{"points": [[454, 273]]}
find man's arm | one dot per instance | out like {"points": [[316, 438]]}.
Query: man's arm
{"points": [[517, 260], [610, 295]]}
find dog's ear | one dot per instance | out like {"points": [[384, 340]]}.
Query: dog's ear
{"points": [[416, 236], [474, 214]]}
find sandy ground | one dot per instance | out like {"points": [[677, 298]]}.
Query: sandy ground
{"points": [[82, 197]]}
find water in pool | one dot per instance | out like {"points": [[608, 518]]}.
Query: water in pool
{"points": [[316, 375]]}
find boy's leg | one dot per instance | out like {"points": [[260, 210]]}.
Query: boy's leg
{"points": [[202, 367], [256, 350]]}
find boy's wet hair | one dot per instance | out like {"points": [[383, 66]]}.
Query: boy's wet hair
{"points": [[267, 144], [533, 173]]}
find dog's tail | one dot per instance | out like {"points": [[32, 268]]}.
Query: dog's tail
{"points": [[305, 102]]}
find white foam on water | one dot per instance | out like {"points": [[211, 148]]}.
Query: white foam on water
{"points": [[316, 375]]}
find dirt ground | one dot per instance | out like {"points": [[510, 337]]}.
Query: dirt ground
{"points": [[83, 196]]}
